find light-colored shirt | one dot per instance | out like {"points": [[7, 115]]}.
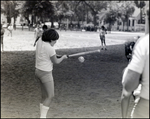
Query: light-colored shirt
{"points": [[140, 64], [38, 32], [102, 32], [44, 51]]}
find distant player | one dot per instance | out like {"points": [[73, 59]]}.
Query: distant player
{"points": [[102, 37], [39, 33], [10, 29]]}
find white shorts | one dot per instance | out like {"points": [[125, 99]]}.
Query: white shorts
{"points": [[43, 76]]}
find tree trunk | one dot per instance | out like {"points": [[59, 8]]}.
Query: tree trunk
{"points": [[59, 23], [117, 25], [32, 20], [27, 18], [87, 21], [123, 25], [22, 27], [140, 16], [14, 23], [52, 23], [78, 24], [8, 20], [94, 21], [109, 27], [127, 24]]}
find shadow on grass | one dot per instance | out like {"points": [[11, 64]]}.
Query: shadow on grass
{"points": [[100, 71], [18, 67]]}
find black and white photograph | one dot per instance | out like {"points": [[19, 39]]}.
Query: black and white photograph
{"points": [[74, 59]]}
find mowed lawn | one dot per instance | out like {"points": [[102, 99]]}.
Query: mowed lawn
{"points": [[24, 40], [82, 90]]}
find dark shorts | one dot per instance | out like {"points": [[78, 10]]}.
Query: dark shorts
{"points": [[102, 37]]}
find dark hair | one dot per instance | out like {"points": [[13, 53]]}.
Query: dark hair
{"points": [[44, 27], [103, 27], [50, 35]]}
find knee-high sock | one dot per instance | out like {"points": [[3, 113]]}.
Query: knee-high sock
{"points": [[44, 110]]}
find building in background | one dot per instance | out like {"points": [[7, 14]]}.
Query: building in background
{"points": [[134, 22]]}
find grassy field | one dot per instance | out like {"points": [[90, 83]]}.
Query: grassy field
{"points": [[24, 40], [82, 90]]}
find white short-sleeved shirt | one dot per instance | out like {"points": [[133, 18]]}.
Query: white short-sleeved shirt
{"points": [[43, 53], [140, 63]]}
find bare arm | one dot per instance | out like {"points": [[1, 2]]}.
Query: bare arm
{"points": [[125, 100], [132, 80], [130, 83], [56, 60]]}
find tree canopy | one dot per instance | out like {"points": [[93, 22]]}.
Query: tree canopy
{"points": [[88, 11], [9, 8]]}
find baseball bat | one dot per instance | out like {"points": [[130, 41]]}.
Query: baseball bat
{"points": [[83, 53]]}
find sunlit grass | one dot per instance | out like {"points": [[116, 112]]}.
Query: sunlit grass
{"points": [[24, 40]]}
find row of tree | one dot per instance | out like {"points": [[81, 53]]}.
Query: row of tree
{"points": [[9, 8], [79, 11]]}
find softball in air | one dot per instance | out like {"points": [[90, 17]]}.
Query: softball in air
{"points": [[81, 59]]}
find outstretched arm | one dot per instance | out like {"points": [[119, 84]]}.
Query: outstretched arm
{"points": [[130, 82], [125, 101]]}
